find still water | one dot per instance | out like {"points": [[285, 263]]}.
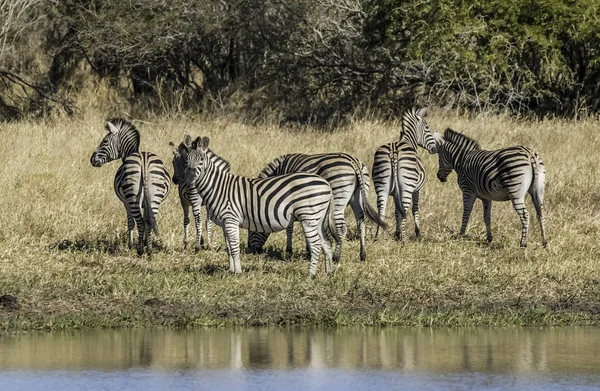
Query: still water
{"points": [[301, 359]]}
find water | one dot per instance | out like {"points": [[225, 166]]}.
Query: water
{"points": [[300, 359]]}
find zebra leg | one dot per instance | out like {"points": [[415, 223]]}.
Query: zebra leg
{"points": [[186, 223], [402, 204], [231, 264], [289, 232], [130, 227], [468, 201], [519, 205], [311, 232], [487, 218], [148, 238], [326, 247], [381, 205], [232, 235], [141, 226], [197, 211], [341, 228], [415, 210], [209, 225], [359, 214], [538, 203]]}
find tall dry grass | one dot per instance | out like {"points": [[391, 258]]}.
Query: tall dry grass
{"points": [[63, 246]]}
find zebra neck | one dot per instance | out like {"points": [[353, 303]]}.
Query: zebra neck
{"points": [[130, 144], [410, 139], [212, 184]]}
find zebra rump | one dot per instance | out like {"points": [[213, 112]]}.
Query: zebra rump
{"points": [[349, 180]]}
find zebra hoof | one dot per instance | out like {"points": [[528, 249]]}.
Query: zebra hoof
{"points": [[198, 247], [545, 244], [140, 252], [363, 256], [523, 244]]}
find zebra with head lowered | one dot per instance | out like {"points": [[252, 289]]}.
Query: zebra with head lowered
{"points": [[500, 175], [349, 180], [398, 170], [262, 205], [188, 195], [141, 183]]}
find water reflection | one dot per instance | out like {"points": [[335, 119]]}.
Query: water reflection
{"points": [[443, 351]]}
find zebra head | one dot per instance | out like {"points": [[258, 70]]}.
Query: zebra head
{"points": [[197, 161], [180, 156], [451, 150], [122, 140], [416, 131]]}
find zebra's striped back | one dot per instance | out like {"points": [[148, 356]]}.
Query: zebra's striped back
{"points": [[349, 181], [260, 204], [143, 176], [500, 175]]}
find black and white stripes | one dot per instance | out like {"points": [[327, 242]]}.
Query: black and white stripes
{"points": [[188, 195], [262, 205], [349, 181], [398, 170], [141, 183], [500, 175]]}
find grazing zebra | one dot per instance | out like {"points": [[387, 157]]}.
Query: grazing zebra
{"points": [[500, 175], [349, 180], [398, 170], [141, 183], [188, 195], [263, 205]]}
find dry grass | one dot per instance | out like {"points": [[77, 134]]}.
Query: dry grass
{"points": [[63, 244]]}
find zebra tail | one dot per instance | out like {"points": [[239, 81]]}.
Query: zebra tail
{"points": [[148, 214], [370, 211], [331, 222], [539, 175]]}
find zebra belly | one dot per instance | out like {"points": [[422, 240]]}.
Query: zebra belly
{"points": [[494, 192]]}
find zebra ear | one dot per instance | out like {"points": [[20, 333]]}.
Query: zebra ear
{"points": [[112, 128], [187, 140], [205, 141], [183, 149], [196, 143], [423, 111]]}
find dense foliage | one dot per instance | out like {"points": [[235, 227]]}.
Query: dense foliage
{"points": [[305, 60]]}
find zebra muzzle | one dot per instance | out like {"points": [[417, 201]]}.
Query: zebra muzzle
{"points": [[95, 161], [441, 177]]}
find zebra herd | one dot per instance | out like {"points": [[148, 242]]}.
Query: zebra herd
{"points": [[314, 190]]}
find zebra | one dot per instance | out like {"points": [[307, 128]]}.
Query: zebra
{"points": [[398, 170], [263, 205], [500, 175], [349, 180], [188, 195], [141, 183]]}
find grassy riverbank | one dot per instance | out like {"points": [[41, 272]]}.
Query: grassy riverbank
{"points": [[63, 250]]}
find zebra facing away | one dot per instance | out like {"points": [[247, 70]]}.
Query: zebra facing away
{"points": [[349, 180], [500, 175], [398, 170], [188, 195], [141, 183], [262, 205]]}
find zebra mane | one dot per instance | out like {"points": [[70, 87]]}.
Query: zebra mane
{"points": [[122, 124], [460, 140], [225, 164]]}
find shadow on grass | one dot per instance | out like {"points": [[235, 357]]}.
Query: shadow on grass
{"points": [[104, 246]]}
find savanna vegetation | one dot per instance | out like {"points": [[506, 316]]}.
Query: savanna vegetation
{"points": [[309, 61], [63, 245]]}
